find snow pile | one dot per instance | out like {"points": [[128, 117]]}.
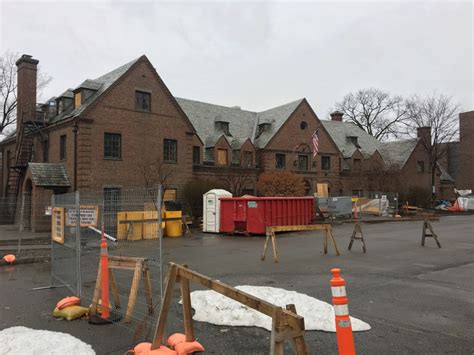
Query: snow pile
{"points": [[215, 308], [26, 341]]}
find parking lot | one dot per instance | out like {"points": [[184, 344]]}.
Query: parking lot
{"points": [[417, 299]]}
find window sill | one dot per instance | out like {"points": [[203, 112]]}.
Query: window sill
{"points": [[170, 162], [109, 158], [141, 110]]}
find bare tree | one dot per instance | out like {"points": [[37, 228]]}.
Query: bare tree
{"points": [[156, 172], [236, 180], [440, 113], [375, 111], [8, 87]]}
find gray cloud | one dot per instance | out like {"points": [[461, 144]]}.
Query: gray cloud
{"points": [[254, 54]]}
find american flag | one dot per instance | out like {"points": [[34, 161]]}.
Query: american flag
{"points": [[315, 140]]}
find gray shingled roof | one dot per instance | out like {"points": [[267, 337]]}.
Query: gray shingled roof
{"points": [[276, 116], [340, 131], [100, 84], [49, 175], [397, 152], [203, 117], [242, 123]]}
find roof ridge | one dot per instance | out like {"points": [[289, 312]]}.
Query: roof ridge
{"points": [[211, 104]]}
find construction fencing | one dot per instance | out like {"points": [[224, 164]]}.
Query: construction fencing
{"points": [[366, 204], [130, 219]]}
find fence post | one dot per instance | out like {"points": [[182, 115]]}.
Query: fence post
{"points": [[160, 236], [53, 196], [78, 244]]}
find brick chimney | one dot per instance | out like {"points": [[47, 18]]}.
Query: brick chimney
{"points": [[337, 116], [26, 90], [424, 133]]}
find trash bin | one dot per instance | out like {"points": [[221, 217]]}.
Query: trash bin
{"points": [[174, 228]]}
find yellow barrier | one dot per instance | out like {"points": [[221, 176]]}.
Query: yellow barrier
{"points": [[174, 228], [144, 230]]}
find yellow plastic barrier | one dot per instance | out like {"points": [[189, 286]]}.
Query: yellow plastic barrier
{"points": [[121, 227], [174, 228]]}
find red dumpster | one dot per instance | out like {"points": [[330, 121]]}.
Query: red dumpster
{"points": [[254, 214]]}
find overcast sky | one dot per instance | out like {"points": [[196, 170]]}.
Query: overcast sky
{"points": [[254, 54]]}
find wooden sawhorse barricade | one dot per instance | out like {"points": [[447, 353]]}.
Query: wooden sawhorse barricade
{"points": [[432, 234], [357, 229], [139, 267], [270, 234], [286, 324]]}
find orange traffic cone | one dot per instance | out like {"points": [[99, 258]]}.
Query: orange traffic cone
{"points": [[104, 277], [345, 339]]}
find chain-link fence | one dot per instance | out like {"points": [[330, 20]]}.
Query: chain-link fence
{"points": [[367, 204], [130, 219]]}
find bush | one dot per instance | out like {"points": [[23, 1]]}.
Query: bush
{"points": [[193, 191], [416, 196], [280, 183]]}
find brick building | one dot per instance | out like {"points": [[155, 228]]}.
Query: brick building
{"points": [[125, 129]]}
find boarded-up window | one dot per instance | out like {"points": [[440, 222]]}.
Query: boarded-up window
{"points": [[77, 99], [62, 147], [221, 156], [170, 195]]}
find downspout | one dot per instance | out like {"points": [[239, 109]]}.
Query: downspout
{"points": [[74, 130]]}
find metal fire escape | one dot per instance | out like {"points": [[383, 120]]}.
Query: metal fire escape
{"points": [[30, 128]]}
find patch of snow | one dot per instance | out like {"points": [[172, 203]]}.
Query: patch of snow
{"points": [[27, 341], [214, 308]]}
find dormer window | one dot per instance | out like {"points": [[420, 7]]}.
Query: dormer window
{"points": [[354, 140], [223, 127], [77, 99], [262, 127]]}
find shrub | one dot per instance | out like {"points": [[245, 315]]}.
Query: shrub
{"points": [[193, 191], [280, 183]]}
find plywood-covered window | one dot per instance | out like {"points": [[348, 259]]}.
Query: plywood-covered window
{"points": [[77, 99], [221, 156], [170, 195]]}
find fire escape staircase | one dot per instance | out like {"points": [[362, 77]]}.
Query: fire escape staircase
{"points": [[23, 155]]}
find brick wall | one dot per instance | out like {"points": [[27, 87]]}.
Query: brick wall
{"points": [[465, 179]]}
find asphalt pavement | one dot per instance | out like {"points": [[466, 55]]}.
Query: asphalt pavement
{"points": [[418, 300]]}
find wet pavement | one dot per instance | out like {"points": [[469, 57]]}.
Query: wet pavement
{"points": [[417, 299]]}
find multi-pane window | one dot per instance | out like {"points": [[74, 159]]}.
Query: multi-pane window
{"points": [[196, 155], [302, 162], [280, 161], [62, 147], [112, 146], [221, 156], [325, 163], [170, 150], [142, 101], [248, 159]]}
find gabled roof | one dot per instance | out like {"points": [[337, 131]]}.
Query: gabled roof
{"points": [[340, 133], [397, 152], [276, 116], [203, 117], [49, 175], [242, 123], [100, 84]]}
